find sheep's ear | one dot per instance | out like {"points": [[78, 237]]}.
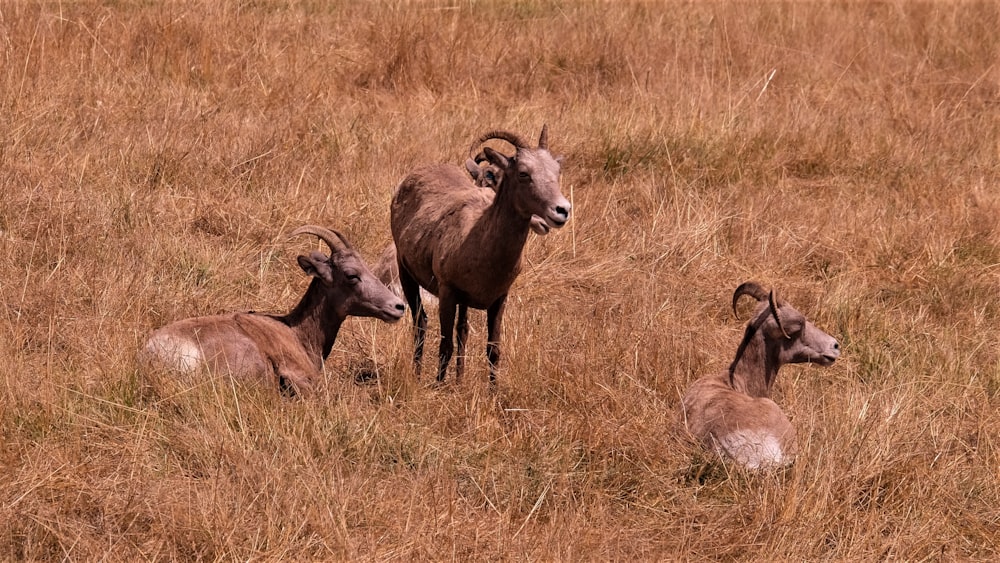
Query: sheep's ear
{"points": [[496, 158], [316, 265], [772, 301], [473, 168]]}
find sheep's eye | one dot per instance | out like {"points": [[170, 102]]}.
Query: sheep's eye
{"points": [[353, 278], [524, 176], [792, 328]]}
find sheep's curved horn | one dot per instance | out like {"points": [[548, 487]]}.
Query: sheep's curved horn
{"points": [[331, 237], [752, 289], [543, 139], [512, 138], [772, 302]]}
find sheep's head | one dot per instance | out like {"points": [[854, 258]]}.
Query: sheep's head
{"points": [[795, 338], [532, 176], [354, 289], [489, 176]]}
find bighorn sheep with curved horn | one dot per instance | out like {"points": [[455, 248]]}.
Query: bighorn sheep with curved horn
{"points": [[464, 244], [732, 412], [287, 349]]}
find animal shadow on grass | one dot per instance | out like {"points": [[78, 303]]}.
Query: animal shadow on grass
{"points": [[365, 372]]}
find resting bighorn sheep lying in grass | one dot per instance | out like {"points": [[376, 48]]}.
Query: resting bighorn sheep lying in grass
{"points": [[287, 349], [487, 176], [464, 244], [732, 412]]}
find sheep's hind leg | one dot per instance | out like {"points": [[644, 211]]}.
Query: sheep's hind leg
{"points": [[462, 336], [411, 291], [494, 318], [446, 312]]}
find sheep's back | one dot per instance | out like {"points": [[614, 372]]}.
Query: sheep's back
{"points": [[432, 212], [214, 343]]}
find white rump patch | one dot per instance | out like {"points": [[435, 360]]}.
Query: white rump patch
{"points": [[754, 449], [175, 352]]}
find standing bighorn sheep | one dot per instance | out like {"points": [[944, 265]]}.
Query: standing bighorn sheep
{"points": [[464, 244], [732, 412], [288, 350]]}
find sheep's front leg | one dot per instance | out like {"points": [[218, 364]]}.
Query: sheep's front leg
{"points": [[411, 291], [462, 337], [494, 318], [446, 310], [293, 381]]}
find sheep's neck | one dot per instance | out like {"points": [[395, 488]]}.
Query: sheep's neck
{"points": [[509, 228], [755, 370], [315, 322]]}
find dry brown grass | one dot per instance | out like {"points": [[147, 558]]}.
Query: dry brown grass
{"points": [[154, 156]]}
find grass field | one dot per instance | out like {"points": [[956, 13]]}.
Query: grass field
{"points": [[154, 157]]}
